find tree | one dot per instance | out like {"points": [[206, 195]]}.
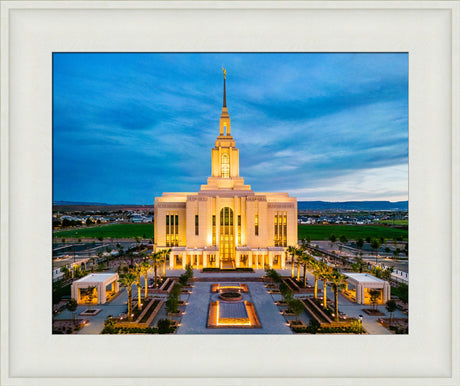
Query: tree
{"points": [[138, 273], [295, 305], [368, 239], [291, 251], [343, 239], [72, 306], [387, 273], [88, 222], [316, 269], [374, 297], [99, 254], [391, 307], [375, 246], [165, 254], [337, 281], [155, 258], [332, 238], [145, 267], [323, 275], [360, 243], [298, 253], [128, 280]]}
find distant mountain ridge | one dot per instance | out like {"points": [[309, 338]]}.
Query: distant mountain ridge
{"points": [[301, 205], [352, 205], [80, 203]]}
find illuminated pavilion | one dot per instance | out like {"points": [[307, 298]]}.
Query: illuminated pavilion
{"points": [[226, 224]]}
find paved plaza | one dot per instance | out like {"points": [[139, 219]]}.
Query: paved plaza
{"points": [[194, 320]]}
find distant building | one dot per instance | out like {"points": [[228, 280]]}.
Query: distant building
{"points": [[225, 224]]}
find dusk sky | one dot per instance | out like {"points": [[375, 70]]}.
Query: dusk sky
{"points": [[330, 127]]}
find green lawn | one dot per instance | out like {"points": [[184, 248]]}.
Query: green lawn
{"points": [[395, 222], [316, 232], [117, 231], [351, 232]]}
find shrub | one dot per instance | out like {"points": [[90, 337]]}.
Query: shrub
{"points": [[163, 326]]}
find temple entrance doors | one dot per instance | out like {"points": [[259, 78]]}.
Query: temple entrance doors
{"points": [[227, 237]]}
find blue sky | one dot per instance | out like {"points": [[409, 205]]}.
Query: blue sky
{"points": [[331, 127]]}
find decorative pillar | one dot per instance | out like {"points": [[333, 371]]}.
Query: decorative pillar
{"points": [[270, 259], [237, 259], [184, 259], [250, 259], [283, 260], [172, 261], [205, 259]]}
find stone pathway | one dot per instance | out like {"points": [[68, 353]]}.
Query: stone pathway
{"points": [[195, 319]]}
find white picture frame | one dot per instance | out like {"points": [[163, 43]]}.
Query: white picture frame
{"points": [[31, 31]]}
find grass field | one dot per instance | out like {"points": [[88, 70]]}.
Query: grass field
{"points": [[394, 222], [316, 232], [351, 232]]}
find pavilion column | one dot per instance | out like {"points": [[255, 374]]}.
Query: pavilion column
{"points": [[205, 259], [101, 295], [270, 259], [184, 259], [197, 256], [172, 261], [250, 259], [360, 293], [237, 259], [283, 260], [217, 259]]}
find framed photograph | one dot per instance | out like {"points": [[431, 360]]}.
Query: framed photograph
{"points": [[35, 35]]}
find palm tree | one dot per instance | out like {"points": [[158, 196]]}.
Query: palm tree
{"points": [[304, 261], [323, 275], [155, 257], [298, 254], [291, 250], [138, 272], [166, 253], [337, 281], [315, 269], [145, 267], [128, 280]]}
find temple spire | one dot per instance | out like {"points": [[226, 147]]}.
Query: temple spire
{"points": [[225, 96]]}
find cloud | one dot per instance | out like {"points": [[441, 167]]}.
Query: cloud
{"points": [[128, 125]]}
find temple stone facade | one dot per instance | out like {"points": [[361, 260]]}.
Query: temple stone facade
{"points": [[225, 224]]}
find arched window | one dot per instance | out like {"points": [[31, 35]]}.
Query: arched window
{"points": [[225, 166]]}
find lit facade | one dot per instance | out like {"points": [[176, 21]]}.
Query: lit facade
{"points": [[226, 224]]}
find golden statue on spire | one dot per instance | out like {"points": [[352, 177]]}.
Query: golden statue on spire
{"points": [[225, 72]]}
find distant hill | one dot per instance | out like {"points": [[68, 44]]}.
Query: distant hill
{"points": [[352, 205], [301, 205], [80, 203]]}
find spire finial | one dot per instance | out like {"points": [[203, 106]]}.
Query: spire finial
{"points": [[225, 96]]}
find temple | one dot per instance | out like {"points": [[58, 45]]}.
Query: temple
{"points": [[226, 224]]}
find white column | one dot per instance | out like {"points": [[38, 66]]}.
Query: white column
{"points": [[250, 259], [270, 259], [100, 288], [172, 260], [205, 259], [283, 260], [237, 259], [184, 259]]}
